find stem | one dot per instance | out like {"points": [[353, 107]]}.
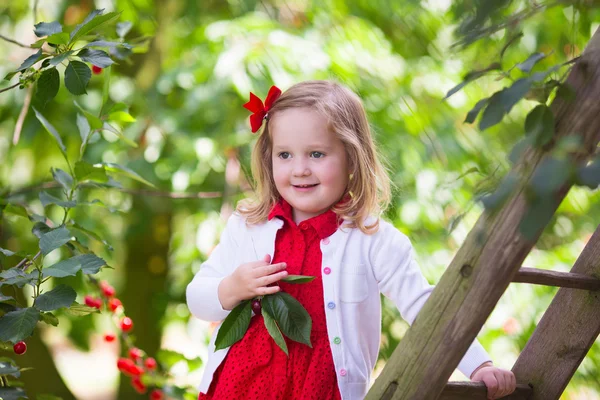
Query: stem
{"points": [[15, 42], [22, 115], [10, 87]]}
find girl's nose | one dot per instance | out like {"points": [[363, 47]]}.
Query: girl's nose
{"points": [[301, 168]]}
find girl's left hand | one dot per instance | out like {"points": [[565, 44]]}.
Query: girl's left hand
{"points": [[499, 382]]}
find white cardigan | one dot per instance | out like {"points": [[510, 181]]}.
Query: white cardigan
{"points": [[356, 267]]}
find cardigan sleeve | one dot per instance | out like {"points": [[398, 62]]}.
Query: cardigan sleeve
{"points": [[400, 279], [202, 292]]}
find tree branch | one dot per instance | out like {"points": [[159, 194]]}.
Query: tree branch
{"points": [[15, 42], [10, 87], [137, 192], [22, 115]]}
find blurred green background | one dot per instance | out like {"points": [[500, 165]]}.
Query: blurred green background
{"points": [[186, 93]]}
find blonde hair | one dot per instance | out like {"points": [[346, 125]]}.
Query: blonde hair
{"points": [[369, 187]]}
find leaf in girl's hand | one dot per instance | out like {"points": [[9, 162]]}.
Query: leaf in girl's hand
{"points": [[234, 326], [293, 320], [274, 331], [298, 278]]}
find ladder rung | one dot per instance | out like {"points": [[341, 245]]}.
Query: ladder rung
{"points": [[560, 279], [477, 391]]}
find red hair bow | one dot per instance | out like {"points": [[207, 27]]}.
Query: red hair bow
{"points": [[255, 105]]}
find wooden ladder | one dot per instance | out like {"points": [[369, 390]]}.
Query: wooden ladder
{"points": [[489, 260]]}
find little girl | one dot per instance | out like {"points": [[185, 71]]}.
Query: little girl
{"points": [[320, 190]]}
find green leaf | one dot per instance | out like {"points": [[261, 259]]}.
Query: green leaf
{"points": [[85, 172], [31, 60], [58, 38], [589, 175], [4, 298], [537, 216], [91, 234], [493, 201], [12, 393], [292, 318], [234, 326], [539, 124], [472, 115], [49, 318], [47, 199], [77, 77], [527, 65], [471, 76], [47, 28], [62, 177], [59, 297], [84, 127], [107, 44], [39, 229], [121, 116], [19, 278], [18, 325], [93, 21], [8, 368], [126, 171], [110, 128], [54, 239], [10, 75], [298, 279], [17, 210], [51, 130], [54, 61], [502, 102], [80, 310], [123, 28], [274, 331], [550, 175], [47, 85], [95, 122], [98, 58], [88, 263], [6, 252], [168, 358]]}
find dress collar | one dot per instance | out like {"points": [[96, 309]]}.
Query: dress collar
{"points": [[324, 224]]}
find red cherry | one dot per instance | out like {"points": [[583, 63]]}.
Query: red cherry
{"points": [[20, 348], [136, 370], [114, 303], [107, 290], [89, 301], [137, 384], [96, 70], [256, 307], [109, 337], [150, 363], [135, 353], [125, 365], [126, 324], [156, 394]]}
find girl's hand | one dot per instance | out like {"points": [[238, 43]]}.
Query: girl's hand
{"points": [[250, 280], [499, 382]]}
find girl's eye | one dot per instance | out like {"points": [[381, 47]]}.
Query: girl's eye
{"points": [[284, 155], [317, 154]]}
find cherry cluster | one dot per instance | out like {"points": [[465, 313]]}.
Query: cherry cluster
{"points": [[137, 364]]}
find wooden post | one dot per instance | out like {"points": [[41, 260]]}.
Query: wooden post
{"points": [[565, 333], [489, 258]]}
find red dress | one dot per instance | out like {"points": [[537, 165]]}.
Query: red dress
{"points": [[255, 367]]}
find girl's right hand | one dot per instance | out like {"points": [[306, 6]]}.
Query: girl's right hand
{"points": [[250, 280]]}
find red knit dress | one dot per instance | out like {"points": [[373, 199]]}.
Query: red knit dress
{"points": [[255, 367]]}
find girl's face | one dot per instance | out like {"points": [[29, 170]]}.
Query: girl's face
{"points": [[310, 164]]}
